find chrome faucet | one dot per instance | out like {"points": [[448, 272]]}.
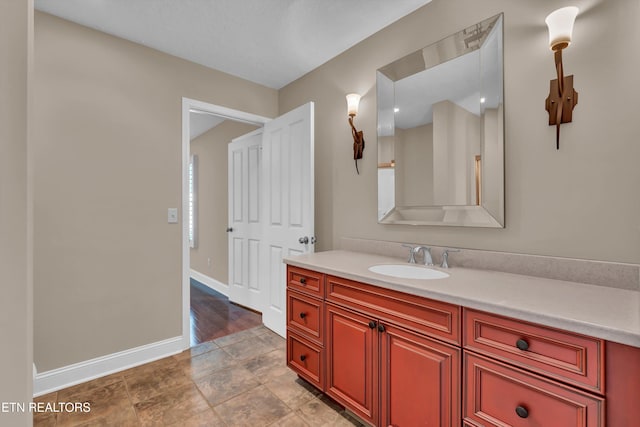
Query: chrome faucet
{"points": [[415, 250], [445, 257], [426, 254]]}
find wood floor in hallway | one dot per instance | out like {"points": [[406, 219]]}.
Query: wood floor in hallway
{"points": [[213, 316]]}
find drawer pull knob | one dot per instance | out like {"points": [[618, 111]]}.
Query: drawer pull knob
{"points": [[303, 280], [303, 315], [303, 358], [522, 345], [522, 411], [381, 328], [372, 324]]}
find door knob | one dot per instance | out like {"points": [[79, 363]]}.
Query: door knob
{"points": [[304, 240], [229, 229]]}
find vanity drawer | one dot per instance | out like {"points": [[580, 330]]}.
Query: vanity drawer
{"points": [[433, 318], [568, 357], [304, 315], [499, 395], [306, 281], [306, 359]]}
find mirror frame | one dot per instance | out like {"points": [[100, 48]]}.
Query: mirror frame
{"points": [[451, 47]]}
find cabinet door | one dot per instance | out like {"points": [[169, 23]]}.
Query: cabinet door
{"points": [[352, 361], [419, 380]]}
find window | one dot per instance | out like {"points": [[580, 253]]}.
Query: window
{"points": [[193, 200]]}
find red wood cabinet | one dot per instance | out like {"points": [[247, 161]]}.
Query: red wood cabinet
{"points": [[419, 380], [305, 315], [497, 394], [305, 325], [565, 356], [415, 378], [353, 361], [429, 317], [396, 359], [305, 281], [306, 358], [623, 384]]}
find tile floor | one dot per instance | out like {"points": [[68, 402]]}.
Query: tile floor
{"points": [[237, 380]]}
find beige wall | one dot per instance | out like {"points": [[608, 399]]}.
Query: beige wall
{"points": [[456, 142], [108, 165], [16, 357], [211, 148], [582, 201], [414, 166]]}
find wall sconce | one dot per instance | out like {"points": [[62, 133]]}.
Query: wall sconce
{"points": [[562, 97], [353, 100]]}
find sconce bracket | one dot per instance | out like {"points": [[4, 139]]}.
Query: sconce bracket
{"points": [[568, 101], [358, 143]]}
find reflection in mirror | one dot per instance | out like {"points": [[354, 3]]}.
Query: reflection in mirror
{"points": [[441, 132]]}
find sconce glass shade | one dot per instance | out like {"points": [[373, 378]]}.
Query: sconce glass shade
{"points": [[560, 23], [353, 100]]}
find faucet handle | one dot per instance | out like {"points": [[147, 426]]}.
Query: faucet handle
{"points": [[445, 257], [412, 254]]}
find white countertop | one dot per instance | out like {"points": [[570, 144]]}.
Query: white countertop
{"points": [[608, 313]]}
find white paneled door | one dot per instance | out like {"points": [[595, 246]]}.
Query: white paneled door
{"points": [[287, 151], [245, 224], [282, 176]]}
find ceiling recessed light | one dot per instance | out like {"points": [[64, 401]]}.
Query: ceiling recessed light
{"points": [[395, 110], [482, 100]]}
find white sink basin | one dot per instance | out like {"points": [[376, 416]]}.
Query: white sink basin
{"points": [[407, 271]]}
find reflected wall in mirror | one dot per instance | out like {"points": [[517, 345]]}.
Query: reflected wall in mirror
{"points": [[441, 132]]}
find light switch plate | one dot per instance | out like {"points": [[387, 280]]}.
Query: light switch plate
{"points": [[172, 215]]}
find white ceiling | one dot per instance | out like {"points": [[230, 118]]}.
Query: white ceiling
{"points": [[473, 81], [271, 42], [200, 122]]}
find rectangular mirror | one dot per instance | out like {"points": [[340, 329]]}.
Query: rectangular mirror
{"points": [[441, 132]]}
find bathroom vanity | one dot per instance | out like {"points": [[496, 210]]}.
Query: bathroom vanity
{"points": [[478, 348]]}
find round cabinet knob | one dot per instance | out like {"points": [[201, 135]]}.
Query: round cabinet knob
{"points": [[303, 315], [372, 324], [522, 345], [522, 411], [381, 328], [303, 358], [303, 280]]}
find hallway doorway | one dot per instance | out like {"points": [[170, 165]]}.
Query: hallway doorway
{"points": [[207, 130]]}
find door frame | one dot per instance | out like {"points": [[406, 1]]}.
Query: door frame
{"points": [[189, 105]]}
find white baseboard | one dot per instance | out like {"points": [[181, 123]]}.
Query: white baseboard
{"points": [[56, 379], [211, 282]]}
